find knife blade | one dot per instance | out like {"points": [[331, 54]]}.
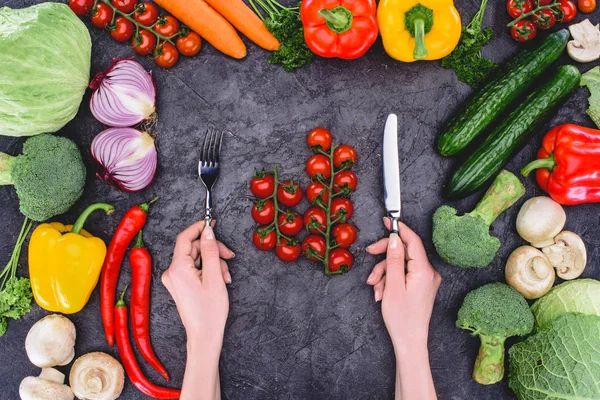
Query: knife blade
{"points": [[391, 172]]}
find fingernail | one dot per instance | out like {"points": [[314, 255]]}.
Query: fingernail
{"points": [[384, 219], [228, 278], [370, 278], [232, 254], [209, 233], [377, 296], [368, 248], [394, 241]]}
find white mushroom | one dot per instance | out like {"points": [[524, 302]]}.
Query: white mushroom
{"points": [[97, 376], [568, 255], [48, 386], [51, 341], [529, 272], [540, 220], [585, 46]]}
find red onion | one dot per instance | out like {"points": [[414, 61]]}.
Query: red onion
{"points": [[124, 94], [126, 158]]}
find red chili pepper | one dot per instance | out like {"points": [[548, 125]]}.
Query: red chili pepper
{"points": [[344, 29], [132, 368], [130, 225], [141, 276], [568, 165]]}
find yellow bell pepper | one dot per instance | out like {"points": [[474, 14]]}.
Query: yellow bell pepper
{"points": [[65, 263], [419, 29]]}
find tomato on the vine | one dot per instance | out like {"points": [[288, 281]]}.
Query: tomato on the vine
{"points": [[312, 246], [144, 42], [146, 14], [166, 55], [262, 185], [81, 7], [340, 260], [289, 193], [316, 193], [568, 10], [345, 181], [123, 29], [263, 212], [315, 220], [102, 15], [344, 156], [523, 31], [543, 2], [290, 224], [319, 165], [319, 139], [264, 239], [287, 252], [544, 19], [125, 6], [516, 8], [586, 6], [189, 44], [167, 26], [345, 235], [342, 209]]}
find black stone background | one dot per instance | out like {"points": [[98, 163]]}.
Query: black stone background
{"points": [[292, 333]]}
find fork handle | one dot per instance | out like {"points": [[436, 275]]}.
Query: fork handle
{"points": [[208, 208]]}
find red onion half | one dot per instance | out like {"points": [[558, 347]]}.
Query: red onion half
{"points": [[126, 158], [124, 94]]}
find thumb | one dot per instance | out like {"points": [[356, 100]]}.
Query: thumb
{"points": [[395, 274], [209, 251]]}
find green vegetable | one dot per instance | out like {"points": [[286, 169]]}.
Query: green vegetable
{"points": [[494, 312], [580, 295], [466, 59], [591, 79], [465, 241], [560, 363], [512, 133], [489, 102], [285, 24], [45, 64]]}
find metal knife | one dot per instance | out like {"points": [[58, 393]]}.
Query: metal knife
{"points": [[391, 172]]}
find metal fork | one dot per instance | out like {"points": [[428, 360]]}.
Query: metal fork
{"points": [[208, 167]]}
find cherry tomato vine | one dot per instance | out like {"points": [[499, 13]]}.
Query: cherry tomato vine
{"points": [[531, 15]]}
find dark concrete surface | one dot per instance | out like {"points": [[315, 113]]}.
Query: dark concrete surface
{"points": [[292, 333]]}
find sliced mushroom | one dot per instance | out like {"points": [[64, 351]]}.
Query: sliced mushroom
{"points": [[51, 341], [48, 386], [568, 255], [97, 376], [585, 46], [529, 272], [540, 220]]}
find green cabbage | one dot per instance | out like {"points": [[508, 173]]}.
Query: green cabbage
{"points": [[581, 295], [562, 362], [45, 54]]}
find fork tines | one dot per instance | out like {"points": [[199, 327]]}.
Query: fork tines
{"points": [[211, 148]]}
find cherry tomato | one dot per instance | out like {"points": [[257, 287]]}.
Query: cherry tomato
{"points": [[523, 31], [290, 224], [319, 165], [316, 193], [144, 42], [542, 2], [340, 260], [263, 212], [146, 14], [81, 7], [167, 26], [544, 19], [262, 185], [517, 7], [568, 11], [344, 156], [319, 138], [289, 193], [264, 239], [125, 6], [586, 6], [190, 44], [166, 55], [345, 181], [314, 244], [345, 235], [287, 252], [123, 29], [341, 210], [315, 220], [101, 15]]}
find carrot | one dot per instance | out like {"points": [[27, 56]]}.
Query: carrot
{"points": [[246, 21], [205, 21]]}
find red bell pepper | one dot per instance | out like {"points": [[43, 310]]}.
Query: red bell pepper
{"points": [[568, 165], [339, 28]]}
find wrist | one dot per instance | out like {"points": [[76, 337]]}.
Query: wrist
{"points": [[410, 349], [206, 348]]}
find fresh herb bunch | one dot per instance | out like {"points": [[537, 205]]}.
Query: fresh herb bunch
{"points": [[466, 59]]}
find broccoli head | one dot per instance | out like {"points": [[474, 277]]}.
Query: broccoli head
{"points": [[49, 176], [465, 241], [494, 312]]}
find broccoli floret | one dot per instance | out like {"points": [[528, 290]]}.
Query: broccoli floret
{"points": [[494, 312], [49, 176], [465, 241]]}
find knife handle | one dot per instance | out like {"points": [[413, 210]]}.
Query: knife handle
{"points": [[395, 226]]}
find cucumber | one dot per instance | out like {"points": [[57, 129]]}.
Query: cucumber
{"points": [[490, 101], [511, 133]]}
